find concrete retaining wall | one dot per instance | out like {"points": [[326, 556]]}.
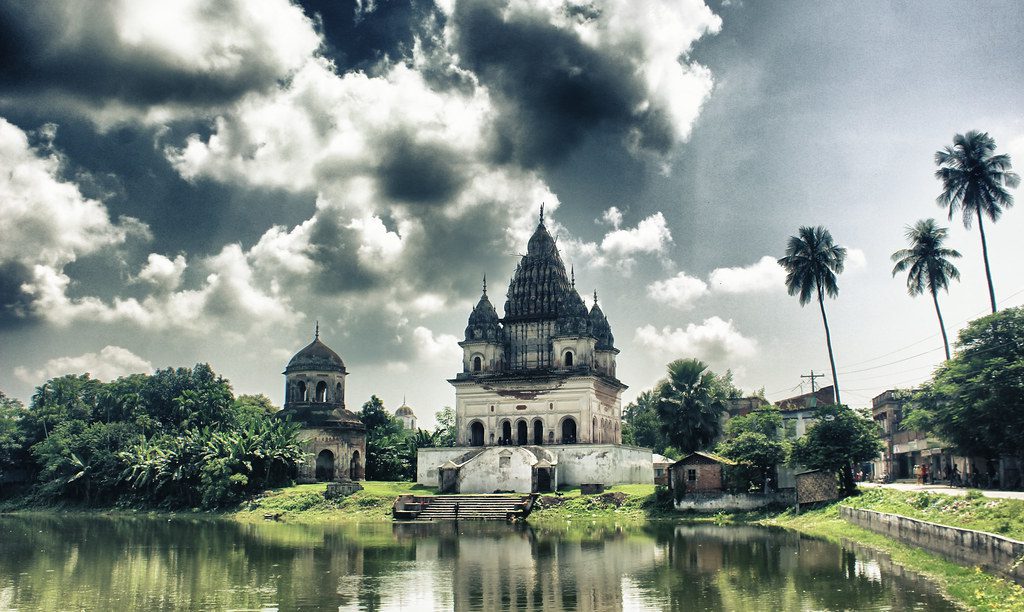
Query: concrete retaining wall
{"points": [[992, 552], [714, 502]]}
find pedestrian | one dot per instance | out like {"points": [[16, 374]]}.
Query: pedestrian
{"points": [[924, 468], [954, 477]]}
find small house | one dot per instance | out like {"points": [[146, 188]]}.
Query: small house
{"points": [[661, 466], [699, 472]]}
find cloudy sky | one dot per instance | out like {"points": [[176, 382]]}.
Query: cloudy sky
{"points": [[185, 182]]}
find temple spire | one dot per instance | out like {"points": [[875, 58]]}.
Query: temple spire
{"points": [[595, 297], [485, 284], [573, 272], [542, 213], [316, 332]]}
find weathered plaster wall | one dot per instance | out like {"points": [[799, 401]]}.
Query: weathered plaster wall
{"points": [[603, 463], [714, 502], [577, 463], [965, 546], [498, 469]]}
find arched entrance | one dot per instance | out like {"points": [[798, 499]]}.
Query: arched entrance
{"points": [[476, 434], [538, 432], [522, 433], [325, 466], [355, 470], [569, 431], [506, 432], [321, 392]]}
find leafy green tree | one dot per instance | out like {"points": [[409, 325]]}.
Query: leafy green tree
{"points": [[754, 442], [387, 453], [838, 439], [641, 425], [690, 403], [927, 264], [976, 399], [12, 440], [975, 182], [445, 433], [812, 262]]}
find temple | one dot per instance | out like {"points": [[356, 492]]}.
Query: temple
{"points": [[537, 388]]}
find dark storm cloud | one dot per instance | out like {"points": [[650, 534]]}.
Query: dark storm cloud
{"points": [[335, 249], [74, 50], [15, 304], [419, 172], [358, 40], [554, 90]]}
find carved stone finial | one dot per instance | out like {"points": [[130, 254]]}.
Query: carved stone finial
{"points": [[573, 271], [542, 213], [316, 333], [595, 296], [485, 284]]}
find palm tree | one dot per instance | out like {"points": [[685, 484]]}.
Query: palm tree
{"points": [[975, 181], [812, 261], [928, 264], [690, 403]]}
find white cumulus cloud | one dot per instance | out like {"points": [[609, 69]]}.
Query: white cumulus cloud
{"points": [[439, 348], [110, 363], [764, 275], [680, 291], [713, 340]]}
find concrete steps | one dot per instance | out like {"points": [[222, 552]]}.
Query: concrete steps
{"points": [[462, 507]]}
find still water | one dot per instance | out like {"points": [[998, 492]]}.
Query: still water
{"points": [[101, 563]]}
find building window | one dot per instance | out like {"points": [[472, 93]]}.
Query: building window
{"points": [[691, 475], [477, 364], [504, 462], [568, 359]]}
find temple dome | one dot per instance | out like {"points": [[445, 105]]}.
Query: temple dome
{"points": [[602, 331], [540, 285], [484, 323], [404, 410], [316, 356]]}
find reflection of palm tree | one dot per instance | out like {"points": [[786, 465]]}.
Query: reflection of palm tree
{"points": [[812, 262], [975, 181], [928, 264]]}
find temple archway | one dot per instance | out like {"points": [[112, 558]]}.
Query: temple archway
{"points": [[321, 392], [569, 431], [476, 434], [355, 470], [538, 432], [506, 432], [325, 466], [522, 433]]}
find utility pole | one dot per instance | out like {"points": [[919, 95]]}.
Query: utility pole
{"points": [[813, 378]]}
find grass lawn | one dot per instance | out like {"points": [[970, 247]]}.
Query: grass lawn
{"points": [[306, 502]]}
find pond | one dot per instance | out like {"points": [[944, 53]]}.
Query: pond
{"points": [[53, 562]]}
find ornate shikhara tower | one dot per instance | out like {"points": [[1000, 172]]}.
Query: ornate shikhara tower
{"points": [[545, 373]]}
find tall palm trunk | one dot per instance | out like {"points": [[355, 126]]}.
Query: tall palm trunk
{"points": [[988, 271], [942, 326], [828, 341]]}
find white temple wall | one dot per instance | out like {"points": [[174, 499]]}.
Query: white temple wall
{"points": [[577, 464]]}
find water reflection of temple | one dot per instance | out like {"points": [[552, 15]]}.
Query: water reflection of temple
{"points": [[495, 567]]}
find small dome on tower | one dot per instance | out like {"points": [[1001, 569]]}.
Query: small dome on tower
{"points": [[404, 410], [483, 321], [316, 356], [601, 329]]}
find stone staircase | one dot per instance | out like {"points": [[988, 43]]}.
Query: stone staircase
{"points": [[462, 507]]}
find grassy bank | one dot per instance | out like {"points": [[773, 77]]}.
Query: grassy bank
{"points": [[972, 511], [306, 503], [618, 504], [970, 587]]}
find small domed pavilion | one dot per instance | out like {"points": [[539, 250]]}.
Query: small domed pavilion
{"points": [[315, 398]]}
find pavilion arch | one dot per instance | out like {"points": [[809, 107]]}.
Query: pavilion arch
{"points": [[538, 432], [325, 466], [569, 430], [522, 432], [506, 431], [321, 392], [476, 433], [568, 359], [303, 392], [478, 363]]}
